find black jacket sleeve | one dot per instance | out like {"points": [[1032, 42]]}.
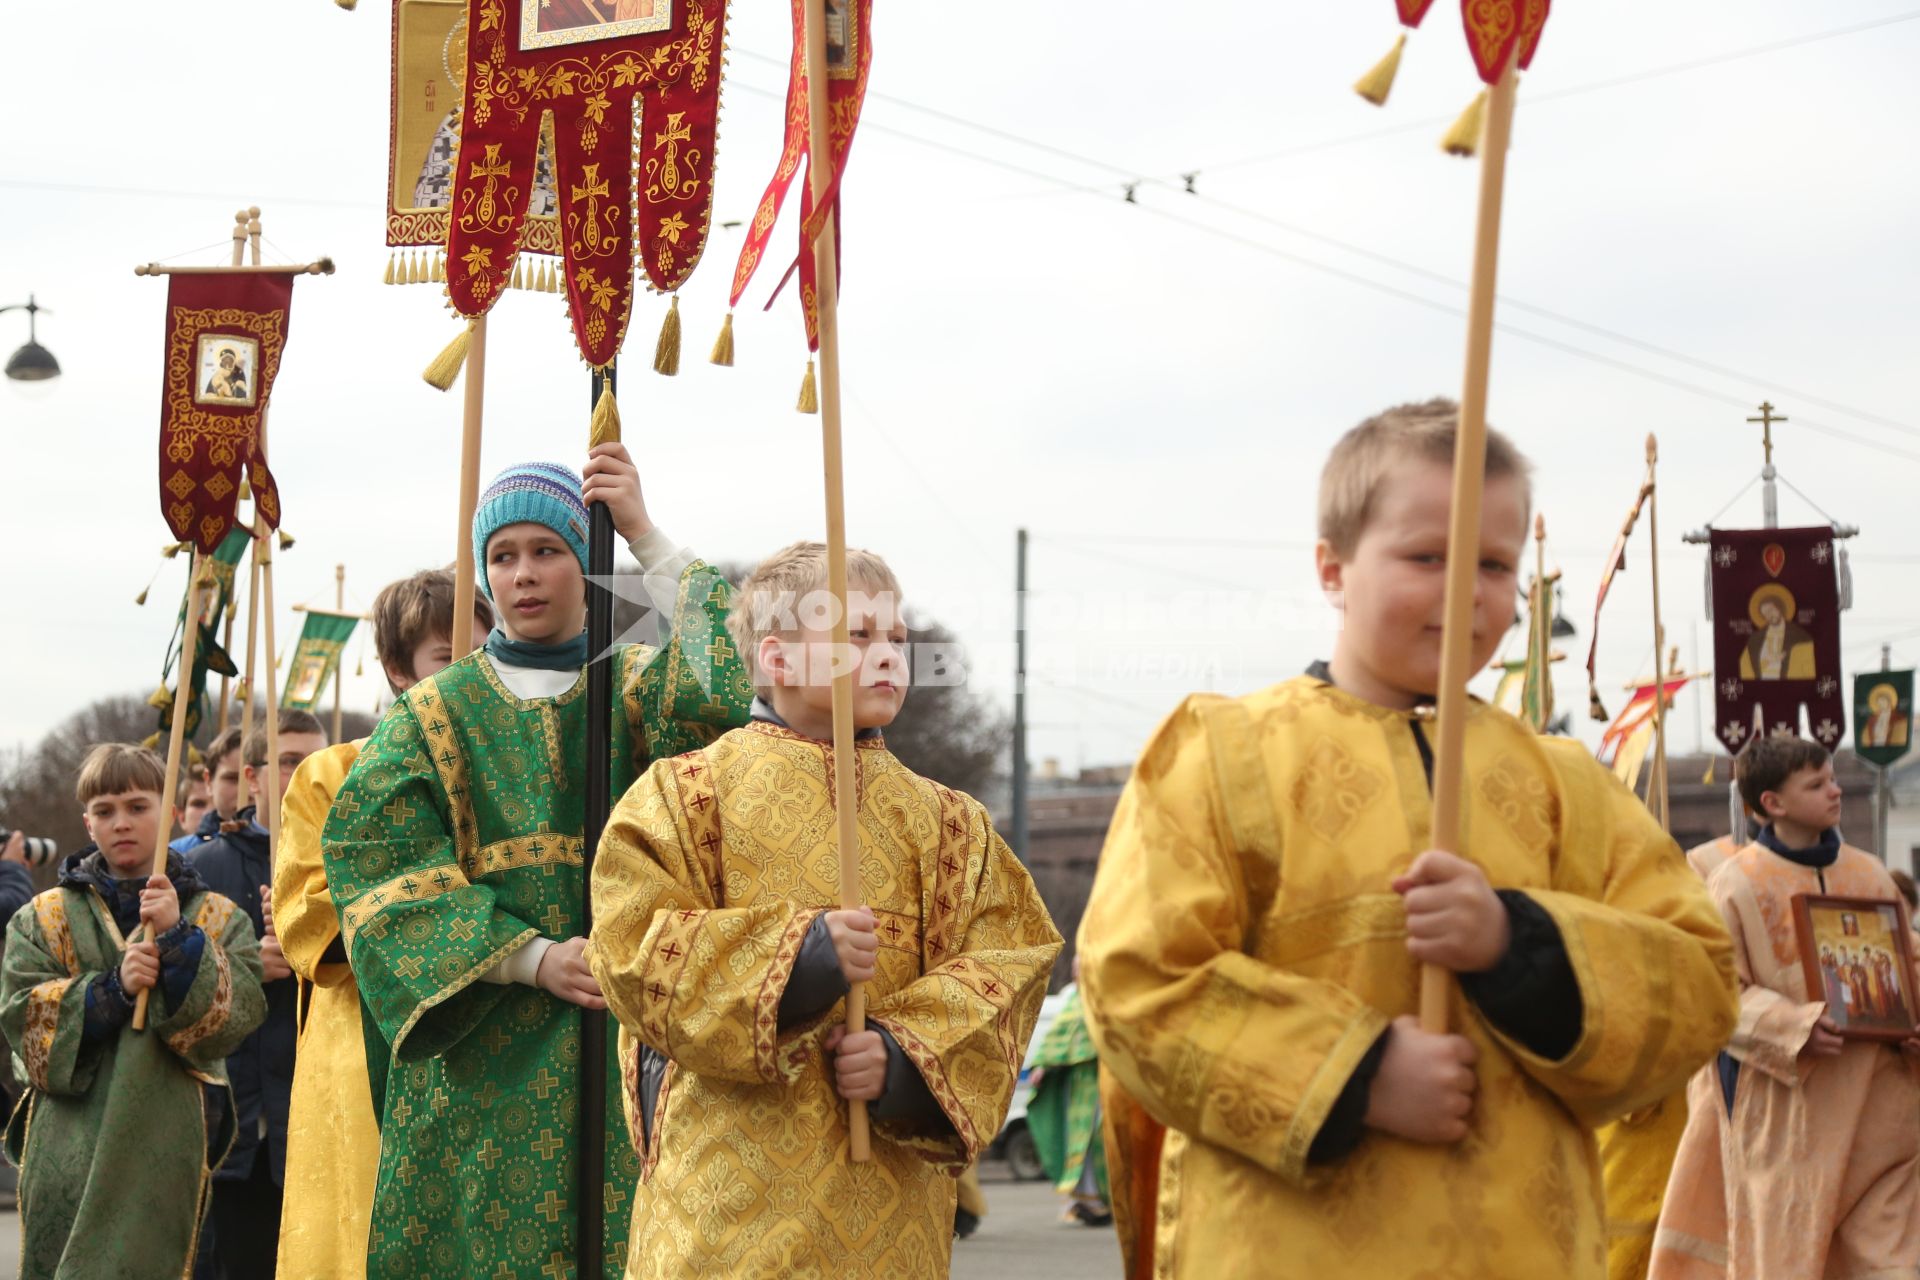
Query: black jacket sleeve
{"points": [[1531, 995]]}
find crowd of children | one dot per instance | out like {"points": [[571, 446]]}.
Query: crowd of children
{"points": [[360, 1052]]}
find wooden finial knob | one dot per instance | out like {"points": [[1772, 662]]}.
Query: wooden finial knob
{"points": [[1653, 448], [253, 211], [240, 217], [1539, 527]]}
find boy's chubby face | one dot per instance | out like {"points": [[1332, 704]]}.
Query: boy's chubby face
{"points": [[125, 826], [538, 586], [799, 664], [1391, 589], [1809, 799]]}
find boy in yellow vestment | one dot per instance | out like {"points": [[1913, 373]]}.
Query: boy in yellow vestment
{"points": [[1251, 952], [719, 947], [333, 1138]]}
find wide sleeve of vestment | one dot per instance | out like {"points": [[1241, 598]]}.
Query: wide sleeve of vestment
{"points": [[695, 686], [419, 933], [304, 916], [699, 982], [43, 997], [1773, 1027], [1648, 949], [1185, 1019], [226, 1003], [964, 1023]]}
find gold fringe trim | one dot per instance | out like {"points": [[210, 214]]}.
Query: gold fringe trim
{"points": [[1378, 82], [606, 419], [666, 352], [389, 276], [519, 280], [1464, 138], [439, 267], [549, 278], [446, 366], [723, 345], [809, 393]]}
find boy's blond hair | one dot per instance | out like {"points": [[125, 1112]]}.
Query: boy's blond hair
{"points": [[1350, 481], [411, 611], [113, 768], [770, 598]]}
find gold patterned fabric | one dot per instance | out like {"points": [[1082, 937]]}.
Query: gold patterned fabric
{"points": [[1242, 951], [1821, 1155], [711, 871], [333, 1142]]}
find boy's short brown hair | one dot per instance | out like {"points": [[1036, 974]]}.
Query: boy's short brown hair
{"points": [[1360, 461], [113, 768], [768, 601], [191, 776], [228, 742], [292, 720], [407, 613], [1767, 763]]}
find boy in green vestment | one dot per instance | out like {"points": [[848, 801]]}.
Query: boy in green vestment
{"points": [[112, 1139], [454, 854]]}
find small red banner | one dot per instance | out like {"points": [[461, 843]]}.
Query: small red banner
{"points": [[225, 334]]}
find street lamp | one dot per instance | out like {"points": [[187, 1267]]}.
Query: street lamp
{"points": [[33, 362]]}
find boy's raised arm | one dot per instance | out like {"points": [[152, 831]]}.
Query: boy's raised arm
{"points": [[224, 1002], [1647, 948], [699, 982], [1213, 1042]]}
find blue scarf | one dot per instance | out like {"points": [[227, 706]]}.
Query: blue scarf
{"points": [[570, 656]]}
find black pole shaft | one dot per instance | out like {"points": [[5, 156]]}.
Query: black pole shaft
{"points": [[599, 802], [1020, 698]]}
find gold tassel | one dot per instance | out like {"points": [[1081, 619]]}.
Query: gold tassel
{"points": [[723, 345], [173, 549], [446, 366], [605, 427], [346, 4], [1464, 138], [141, 599], [286, 541], [666, 352], [389, 276], [245, 492], [240, 689], [519, 280], [809, 394], [1707, 781], [549, 278], [439, 267], [1378, 83]]}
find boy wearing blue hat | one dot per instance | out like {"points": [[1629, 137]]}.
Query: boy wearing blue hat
{"points": [[454, 851]]}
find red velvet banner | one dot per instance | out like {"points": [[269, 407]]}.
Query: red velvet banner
{"points": [[1533, 20], [1493, 32], [621, 196], [1413, 12], [849, 64], [1776, 634], [224, 338]]}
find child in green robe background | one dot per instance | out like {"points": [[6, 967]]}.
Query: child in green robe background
{"points": [[114, 1146]]}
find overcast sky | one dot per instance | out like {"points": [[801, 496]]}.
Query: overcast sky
{"points": [[1149, 387]]}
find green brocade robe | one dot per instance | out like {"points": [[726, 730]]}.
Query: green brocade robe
{"points": [[456, 840], [111, 1137]]}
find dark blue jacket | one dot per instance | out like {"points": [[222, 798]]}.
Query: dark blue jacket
{"points": [[261, 1069], [16, 890]]}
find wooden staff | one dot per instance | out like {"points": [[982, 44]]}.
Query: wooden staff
{"points": [[1657, 784], [270, 796], [1463, 536], [201, 578], [826, 272], [469, 497], [239, 247], [340, 663]]}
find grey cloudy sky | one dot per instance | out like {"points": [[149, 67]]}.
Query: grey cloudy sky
{"points": [[1149, 387]]}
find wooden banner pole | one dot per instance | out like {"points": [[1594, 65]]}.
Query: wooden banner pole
{"points": [[1657, 785], [826, 274], [469, 496], [1463, 538]]}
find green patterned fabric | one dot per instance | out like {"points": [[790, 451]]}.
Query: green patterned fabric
{"points": [[457, 839], [111, 1137], [1064, 1114]]}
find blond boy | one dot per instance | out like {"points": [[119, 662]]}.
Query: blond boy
{"points": [[115, 1149], [1252, 948], [721, 949]]}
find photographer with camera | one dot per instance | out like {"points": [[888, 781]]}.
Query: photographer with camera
{"points": [[16, 885]]}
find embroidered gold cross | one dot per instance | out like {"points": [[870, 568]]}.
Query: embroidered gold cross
{"points": [[592, 189], [492, 168], [676, 132]]}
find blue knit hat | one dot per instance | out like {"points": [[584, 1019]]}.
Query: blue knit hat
{"points": [[544, 493]]}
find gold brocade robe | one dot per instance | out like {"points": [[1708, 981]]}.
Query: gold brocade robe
{"points": [[333, 1141], [1821, 1155], [1637, 1151], [1242, 951], [714, 866]]}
